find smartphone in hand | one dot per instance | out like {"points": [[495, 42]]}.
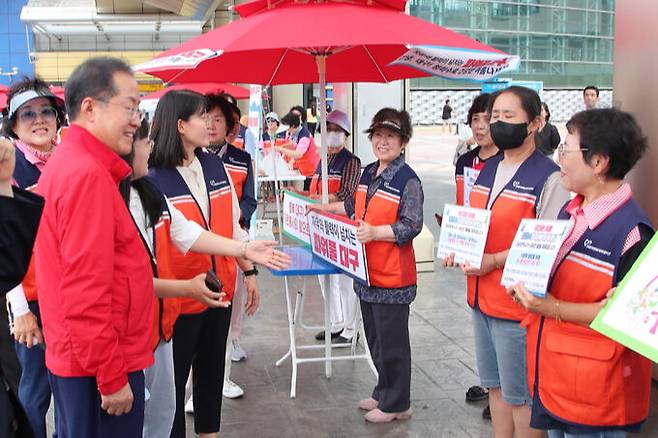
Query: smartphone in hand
{"points": [[213, 282]]}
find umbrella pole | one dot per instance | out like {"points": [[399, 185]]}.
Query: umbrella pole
{"points": [[321, 61]]}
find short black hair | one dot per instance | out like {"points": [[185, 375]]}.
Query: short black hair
{"points": [[226, 107], [480, 105], [93, 78], [530, 101], [291, 119], [548, 112], [230, 98], [149, 196], [168, 149], [25, 84], [591, 87], [400, 116], [301, 111], [612, 133]]}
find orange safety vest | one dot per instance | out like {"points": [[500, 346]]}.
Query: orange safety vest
{"points": [[172, 185], [334, 173], [518, 200], [165, 310], [237, 164], [389, 265], [578, 374]]}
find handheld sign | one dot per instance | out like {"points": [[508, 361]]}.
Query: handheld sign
{"points": [[333, 238], [295, 222], [470, 175], [464, 232], [533, 253], [631, 315]]}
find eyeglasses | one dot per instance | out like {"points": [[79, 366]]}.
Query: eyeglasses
{"points": [[562, 149], [30, 116], [132, 112]]}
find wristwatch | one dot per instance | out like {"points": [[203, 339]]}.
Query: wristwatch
{"points": [[250, 272]]}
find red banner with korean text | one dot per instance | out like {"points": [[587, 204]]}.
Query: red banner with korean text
{"points": [[333, 239]]}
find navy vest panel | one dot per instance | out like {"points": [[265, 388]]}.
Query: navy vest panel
{"points": [[397, 184], [606, 241], [529, 179], [26, 174], [337, 164], [237, 157], [172, 184]]}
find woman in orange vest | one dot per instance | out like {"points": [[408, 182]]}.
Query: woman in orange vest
{"points": [[519, 183], [162, 226], [583, 383], [197, 184], [472, 162], [299, 146], [34, 116], [388, 206]]}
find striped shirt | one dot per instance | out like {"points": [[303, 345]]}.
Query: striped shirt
{"points": [[349, 179], [592, 215]]}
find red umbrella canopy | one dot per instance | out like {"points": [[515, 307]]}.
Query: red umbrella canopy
{"points": [[271, 45], [204, 88]]}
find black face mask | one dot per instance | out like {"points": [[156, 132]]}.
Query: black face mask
{"points": [[508, 135]]}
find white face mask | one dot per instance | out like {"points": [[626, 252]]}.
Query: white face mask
{"points": [[335, 139]]}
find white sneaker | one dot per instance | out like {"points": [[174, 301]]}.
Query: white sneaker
{"points": [[237, 353], [231, 389], [189, 406]]}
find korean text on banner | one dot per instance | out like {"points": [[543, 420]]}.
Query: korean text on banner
{"points": [[470, 175], [295, 221], [333, 239], [464, 233], [458, 64], [631, 315], [532, 255], [187, 60]]}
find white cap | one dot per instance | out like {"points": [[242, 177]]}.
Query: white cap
{"points": [[339, 118], [272, 116]]}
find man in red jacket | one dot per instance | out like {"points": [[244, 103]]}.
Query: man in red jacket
{"points": [[93, 274]]}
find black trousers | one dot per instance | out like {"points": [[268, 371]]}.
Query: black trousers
{"points": [[387, 333], [200, 343]]}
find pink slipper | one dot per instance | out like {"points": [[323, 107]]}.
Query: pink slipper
{"points": [[368, 404], [378, 416]]}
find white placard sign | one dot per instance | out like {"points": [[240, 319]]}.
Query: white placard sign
{"points": [[333, 239], [470, 175], [464, 233], [295, 221], [533, 252]]}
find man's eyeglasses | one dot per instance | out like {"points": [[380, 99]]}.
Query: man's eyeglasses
{"points": [[30, 116], [133, 113], [562, 149]]}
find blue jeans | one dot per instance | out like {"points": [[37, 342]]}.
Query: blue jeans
{"points": [[603, 434], [34, 390], [500, 352]]}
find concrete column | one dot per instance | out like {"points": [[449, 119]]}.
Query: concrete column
{"points": [[286, 96], [636, 91]]}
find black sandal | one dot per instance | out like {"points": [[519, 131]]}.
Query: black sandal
{"points": [[476, 393]]}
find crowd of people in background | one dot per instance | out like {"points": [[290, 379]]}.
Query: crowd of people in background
{"points": [[143, 269]]}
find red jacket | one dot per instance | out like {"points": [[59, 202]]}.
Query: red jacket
{"points": [[94, 276]]}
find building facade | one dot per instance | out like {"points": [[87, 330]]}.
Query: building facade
{"points": [[15, 43], [566, 44]]}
